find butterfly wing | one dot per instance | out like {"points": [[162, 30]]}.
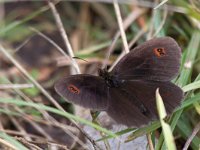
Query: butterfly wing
{"points": [[134, 104], [85, 90], [157, 59]]}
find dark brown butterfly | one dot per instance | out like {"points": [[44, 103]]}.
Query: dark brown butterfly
{"points": [[127, 93]]}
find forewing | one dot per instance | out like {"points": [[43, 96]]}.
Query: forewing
{"points": [[84, 90], [134, 103], [157, 59]]}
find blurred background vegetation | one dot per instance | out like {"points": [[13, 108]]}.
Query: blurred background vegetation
{"points": [[30, 64]]}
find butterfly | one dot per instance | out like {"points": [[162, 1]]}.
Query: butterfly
{"points": [[127, 92]]}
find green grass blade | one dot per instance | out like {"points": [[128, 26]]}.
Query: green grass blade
{"points": [[190, 56], [144, 130], [191, 86], [167, 132], [12, 141], [155, 125], [186, 130], [184, 79], [12, 25], [56, 111]]}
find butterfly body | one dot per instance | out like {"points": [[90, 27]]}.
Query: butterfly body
{"points": [[110, 79], [127, 93]]}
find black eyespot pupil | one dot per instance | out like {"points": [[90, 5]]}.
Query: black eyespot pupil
{"points": [[72, 89], [161, 51]]}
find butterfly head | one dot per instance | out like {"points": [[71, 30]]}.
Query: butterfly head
{"points": [[110, 79]]}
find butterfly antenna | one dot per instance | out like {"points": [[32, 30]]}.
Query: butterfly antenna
{"points": [[80, 58]]}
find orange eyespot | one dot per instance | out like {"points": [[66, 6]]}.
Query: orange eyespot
{"points": [[73, 89], [159, 52]]}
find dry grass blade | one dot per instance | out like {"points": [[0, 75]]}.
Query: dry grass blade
{"points": [[84, 28], [127, 22], [38, 85], [63, 33], [49, 120], [119, 19], [4, 51], [53, 43], [195, 131], [3, 142], [70, 51], [160, 4], [139, 34], [150, 141], [15, 86], [28, 144]]}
